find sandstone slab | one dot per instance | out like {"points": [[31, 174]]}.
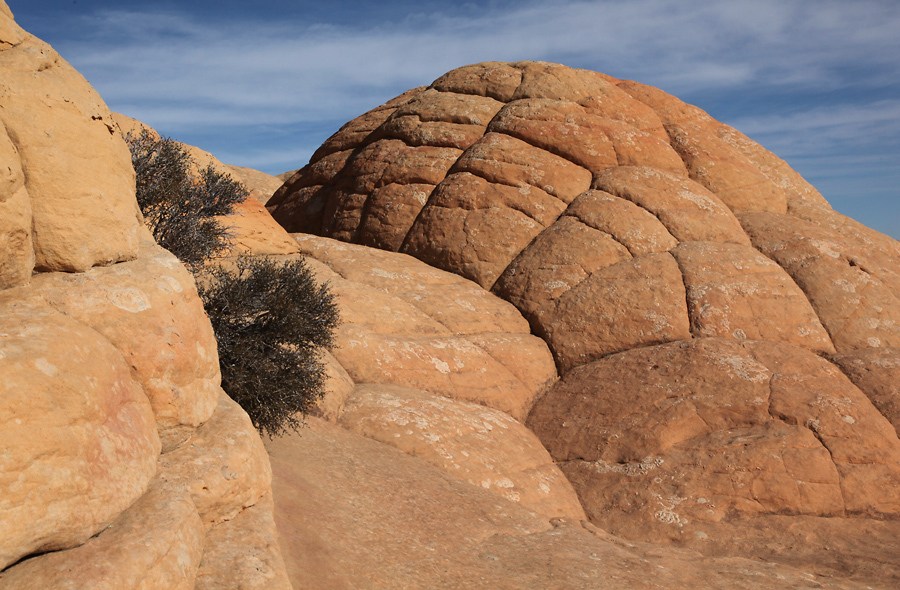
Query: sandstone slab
{"points": [[630, 224], [557, 260], [223, 467], [876, 371], [243, 553], [392, 211], [338, 387], [501, 159], [714, 163], [454, 303], [474, 227], [353, 512], [637, 302], [440, 119], [733, 291], [850, 284], [715, 432], [155, 543], [583, 136], [687, 210]]}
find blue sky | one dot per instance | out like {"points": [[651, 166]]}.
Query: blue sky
{"points": [[263, 83]]}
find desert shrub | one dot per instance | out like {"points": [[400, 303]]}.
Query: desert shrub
{"points": [[271, 321], [181, 209]]}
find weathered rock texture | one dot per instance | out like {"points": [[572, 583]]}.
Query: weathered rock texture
{"points": [[727, 342], [435, 366], [123, 464], [61, 157], [353, 513]]}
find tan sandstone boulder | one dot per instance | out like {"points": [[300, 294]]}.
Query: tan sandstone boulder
{"points": [[98, 364], [156, 543], [80, 442], [149, 310], [77, 193]]}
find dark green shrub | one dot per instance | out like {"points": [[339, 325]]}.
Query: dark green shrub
{"points": [[181, 210], [271, 320]]}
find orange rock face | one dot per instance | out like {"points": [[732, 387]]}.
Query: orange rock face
{"points": [[79, 438], [408, 324], [727, 342]]}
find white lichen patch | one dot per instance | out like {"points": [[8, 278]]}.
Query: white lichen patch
{"points": [[629, 469], [130, 299], [46, 367], [667, 513], [742, 368]]}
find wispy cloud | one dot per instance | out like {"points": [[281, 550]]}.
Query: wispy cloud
{"points": [[220, 79], [825, 129], [289, 71]]}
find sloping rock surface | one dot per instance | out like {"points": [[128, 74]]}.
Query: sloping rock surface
{"points": [[727, 342], [433, 365], [354, 513]]}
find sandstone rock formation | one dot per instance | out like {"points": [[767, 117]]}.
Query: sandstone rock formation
{"points": [[357, 514], [61, 156], [123, 463], [433, 365], [727, 342]]}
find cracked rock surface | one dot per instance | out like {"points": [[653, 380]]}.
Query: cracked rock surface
{"points": [[727, 342]]}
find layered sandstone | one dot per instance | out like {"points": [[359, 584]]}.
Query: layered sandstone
{"points": [[124, 464]]}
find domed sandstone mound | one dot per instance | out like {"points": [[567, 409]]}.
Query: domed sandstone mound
{"points": [[728, 342]]}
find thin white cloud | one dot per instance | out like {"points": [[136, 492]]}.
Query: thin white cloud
{"points": [[217, 78], [273, 72], [825, 129]]}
